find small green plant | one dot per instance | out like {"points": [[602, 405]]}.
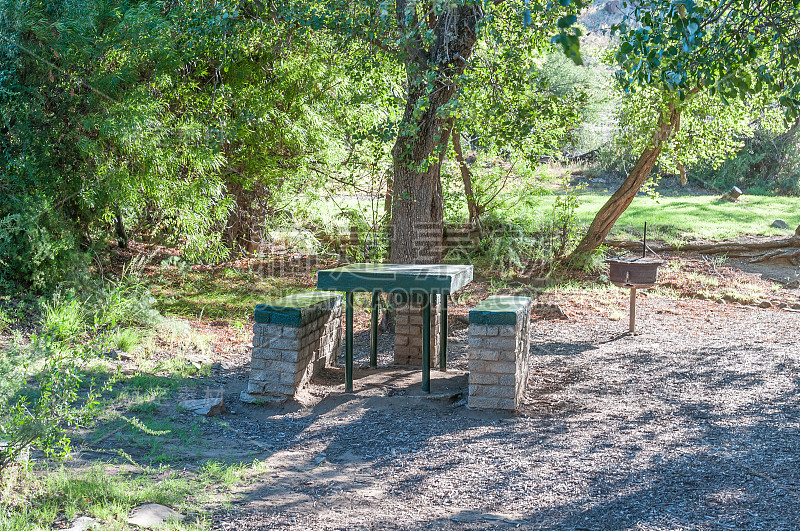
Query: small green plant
{"points": [[126, 339], [41, 416], [65, 319], [5, 320]]}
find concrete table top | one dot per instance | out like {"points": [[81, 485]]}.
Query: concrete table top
{"points": [[396, 278]]}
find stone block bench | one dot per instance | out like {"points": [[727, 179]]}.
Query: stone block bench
{"points": [[499, 340], [293, 338]]}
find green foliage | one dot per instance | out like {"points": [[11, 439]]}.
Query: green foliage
{"points": [[125, 339], [709, 132], [36, 243], [537, 242], [592, 91], [78, 324], [731, 49], [513, 98], [42, 416], [768, 163], [105, 494], [162, 115], [64, 319]]}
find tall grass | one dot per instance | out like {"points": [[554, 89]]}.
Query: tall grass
{"points": [[46, 390]]}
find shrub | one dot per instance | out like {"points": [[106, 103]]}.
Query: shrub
{"points": [[536, 245], [36, 245], [83, 318], [768, 163], [42, 416]]}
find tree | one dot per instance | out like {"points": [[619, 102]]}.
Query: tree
{"points": [[685, 50], [512, 103], [434, 41], [164, 113]]}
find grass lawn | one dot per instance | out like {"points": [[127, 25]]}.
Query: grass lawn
{"points": [[672, 219], [676, 219]]}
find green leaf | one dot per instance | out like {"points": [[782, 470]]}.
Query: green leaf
{"points": [[567, 21]]}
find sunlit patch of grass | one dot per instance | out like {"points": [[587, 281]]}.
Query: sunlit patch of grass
{"points": [[108, 493], [230, 296], [742, 297], [64, 319], [216, 472], [664, 291], [678, 219], [703, 280], [573, 286], [674, 265], [126, 339]]}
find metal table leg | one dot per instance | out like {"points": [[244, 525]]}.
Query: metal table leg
{"points": [[348, 342], [426, 343], [443, 334], [373, 328]]}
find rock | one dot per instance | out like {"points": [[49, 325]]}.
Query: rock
{"points": [[613, 7], [765, 304], [153, 515], [796, 306], [549, 311], [779, 224], [84, 523], [783, 305], [207, 407], [731, 195], [118, 355]]}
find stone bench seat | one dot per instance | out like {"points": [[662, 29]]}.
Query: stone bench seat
{"points": [[294, 337], [499, 341]]}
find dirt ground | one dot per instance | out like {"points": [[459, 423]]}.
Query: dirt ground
{"points": [[694, 423]]}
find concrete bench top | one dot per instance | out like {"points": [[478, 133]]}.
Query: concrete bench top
{"points": [[500, 310], [298, 309], [397, 278]]}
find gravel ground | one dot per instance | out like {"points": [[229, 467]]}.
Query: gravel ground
{"points": [[693, 424]]}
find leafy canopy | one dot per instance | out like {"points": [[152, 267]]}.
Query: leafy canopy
{"points": [[731, 48]]}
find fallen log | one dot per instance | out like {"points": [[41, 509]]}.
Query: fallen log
{"points": [[791, 256], [783, 249]]}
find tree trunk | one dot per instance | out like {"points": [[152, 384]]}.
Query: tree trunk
{"points": [[617, 204], [466, 176], [417, 203], [119, 228], [244, 227]]}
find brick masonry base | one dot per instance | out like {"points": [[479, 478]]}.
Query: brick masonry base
{"points": [[498, 364], [408, 333], [286, 357]]}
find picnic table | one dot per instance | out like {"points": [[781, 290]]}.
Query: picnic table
{"points": [[413, 280]]}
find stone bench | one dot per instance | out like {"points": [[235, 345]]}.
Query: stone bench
{"points": [[293, 338], [499, 340]]}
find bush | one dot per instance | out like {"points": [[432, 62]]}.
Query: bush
{"points": [[536, 245], [41, 416], [768, 163], [84, 318], [36, 245]]}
